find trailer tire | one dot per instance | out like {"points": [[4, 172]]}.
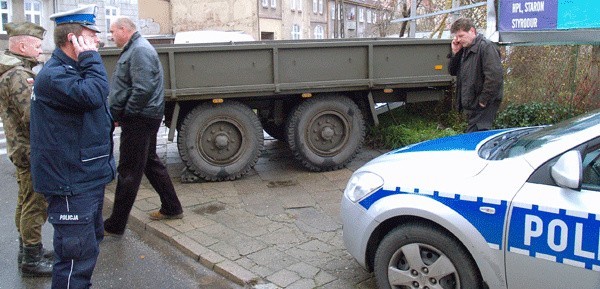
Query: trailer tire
{"points": [[326, 133], [220, 142]]}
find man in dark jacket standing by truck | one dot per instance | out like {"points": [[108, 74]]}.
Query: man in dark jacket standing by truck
{"points": [[476, 63], [137, 103], [71, 145]]}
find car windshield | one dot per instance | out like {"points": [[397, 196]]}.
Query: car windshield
{"points": [[522, 141]]}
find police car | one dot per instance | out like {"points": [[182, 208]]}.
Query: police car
{"points": [[515, 208]]}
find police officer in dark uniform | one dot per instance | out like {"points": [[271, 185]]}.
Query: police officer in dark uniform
{"points": [[71, 145]]}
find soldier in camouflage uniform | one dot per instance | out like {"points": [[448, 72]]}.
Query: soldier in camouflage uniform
{"points": [[16, 83]]}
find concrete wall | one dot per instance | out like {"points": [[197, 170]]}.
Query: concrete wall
{"points": [[155, 17], [189, 15], [272, 26]]}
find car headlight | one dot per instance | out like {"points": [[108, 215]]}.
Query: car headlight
{"points": [[362, 184]]}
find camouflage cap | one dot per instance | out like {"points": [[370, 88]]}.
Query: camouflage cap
{"points": [[24, 28]]}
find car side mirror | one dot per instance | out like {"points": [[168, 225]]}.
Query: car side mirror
{"points": [[567, 171]]}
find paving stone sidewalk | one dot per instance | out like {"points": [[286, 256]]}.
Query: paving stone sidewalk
{"points": [[277, 227]]}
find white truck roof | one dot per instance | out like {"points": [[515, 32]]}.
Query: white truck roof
{"points": [[211, 36]]}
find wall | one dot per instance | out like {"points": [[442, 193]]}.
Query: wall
{"points": [[155, 17], [242, 15]]}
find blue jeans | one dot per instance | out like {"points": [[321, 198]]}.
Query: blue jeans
{"points": [[78, 230]]}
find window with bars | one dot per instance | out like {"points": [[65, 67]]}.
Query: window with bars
{"points": [[319, 32], [111, 14], [296, 5], [333, 12], [296, 31], [361, 15], [33, 11], [5, 12]]}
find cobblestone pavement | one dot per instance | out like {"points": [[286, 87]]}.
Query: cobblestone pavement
{"points": [[277, 227]]}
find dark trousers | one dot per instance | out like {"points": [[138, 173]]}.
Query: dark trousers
{"points": [[78, 231], [137, 158], [482, 119]]}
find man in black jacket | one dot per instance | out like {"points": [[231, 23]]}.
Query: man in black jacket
{"points": [[476, 63], [137, 103]]}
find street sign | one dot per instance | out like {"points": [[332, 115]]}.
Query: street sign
{"points": [[549, 21]]}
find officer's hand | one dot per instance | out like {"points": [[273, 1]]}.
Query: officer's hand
{"points": [[81, 44]]}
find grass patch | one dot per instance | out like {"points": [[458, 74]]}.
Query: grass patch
{"points": [[412, 124]]}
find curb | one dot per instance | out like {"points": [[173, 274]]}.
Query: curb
{"points": [[140, 223]]}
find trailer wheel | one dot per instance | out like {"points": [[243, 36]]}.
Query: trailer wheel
{"points": [[326, 133], [220, 142]]}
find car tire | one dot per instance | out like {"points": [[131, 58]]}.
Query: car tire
{"points": [[422, 256]]}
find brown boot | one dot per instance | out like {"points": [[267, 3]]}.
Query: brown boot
{"points": [[34, 264]]}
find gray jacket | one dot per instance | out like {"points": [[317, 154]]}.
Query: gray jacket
{"points": [[137, 87], [479, 76]]}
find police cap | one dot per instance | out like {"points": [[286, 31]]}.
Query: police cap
{"points": [[24, 28], [85, 16]]}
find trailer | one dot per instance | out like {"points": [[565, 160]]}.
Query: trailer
{"points": [[318, 96]]}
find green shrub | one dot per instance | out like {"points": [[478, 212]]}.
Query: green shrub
{"points": [[531, 114]]}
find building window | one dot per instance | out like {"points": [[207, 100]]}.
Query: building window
{"points": [[33, 11], [296, 5], [273, 3], [321, 7], [296, 31], [374, 17], [351, 14], [368, 16], [112, 13], [333, 12], [361, 15], [315, 8], [4, 10], [319, 32], [265, 3]]}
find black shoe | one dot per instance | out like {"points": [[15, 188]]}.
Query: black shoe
{"points": [[47, 254], [34, 264]]}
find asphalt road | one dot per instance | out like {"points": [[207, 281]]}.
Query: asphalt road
{"points": [[132, 261]]}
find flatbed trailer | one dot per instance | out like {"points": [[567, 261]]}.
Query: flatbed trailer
{"points": [[316, 95]]}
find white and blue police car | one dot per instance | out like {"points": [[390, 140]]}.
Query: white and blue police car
{"points": [[514, 208]]}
